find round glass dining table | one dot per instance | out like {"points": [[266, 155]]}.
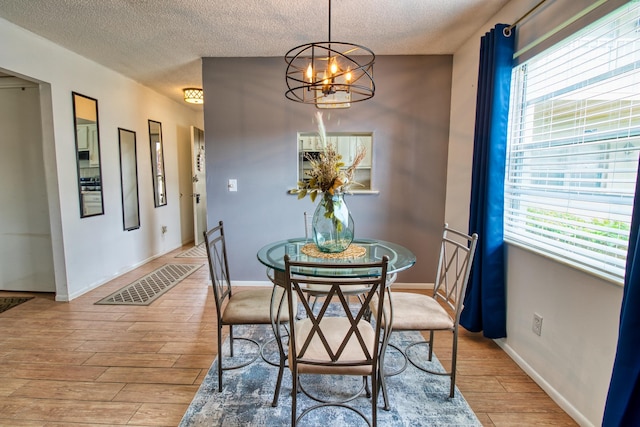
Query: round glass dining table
{"points": [[360, 251], [301, 249]]}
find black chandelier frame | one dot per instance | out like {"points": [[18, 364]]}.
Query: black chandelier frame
{"points": [[351, 82]]}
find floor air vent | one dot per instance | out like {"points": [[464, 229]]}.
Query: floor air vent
{"points": [[195, 252], [148, 288]]}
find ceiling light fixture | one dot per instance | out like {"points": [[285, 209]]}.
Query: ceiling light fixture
{"points": [[330, 74], [193, 95]]}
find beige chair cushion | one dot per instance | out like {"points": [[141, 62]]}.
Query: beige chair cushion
{"points": [[415, 312], [253, 307], [334, 329]]}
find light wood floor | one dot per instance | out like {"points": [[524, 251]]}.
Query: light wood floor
{"points": [[80, 364]]}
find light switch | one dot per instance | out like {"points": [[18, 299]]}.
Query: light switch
{"points": [[233, 185]]}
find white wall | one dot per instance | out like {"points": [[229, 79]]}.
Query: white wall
{"points": [[90, 251], [573, 358]]}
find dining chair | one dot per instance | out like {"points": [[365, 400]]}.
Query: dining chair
{"points": [[248, 307], [337, 340], [439, 311]]}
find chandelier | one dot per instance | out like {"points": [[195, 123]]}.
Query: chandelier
{"points": [[330, 74]]}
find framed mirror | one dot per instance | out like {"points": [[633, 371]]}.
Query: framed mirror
{"points": [[157, 163], [85, 116], [129, 179]]}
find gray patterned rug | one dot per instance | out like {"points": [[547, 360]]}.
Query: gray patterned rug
{"points": [[147, 289], [417, 398], [199, 251]]}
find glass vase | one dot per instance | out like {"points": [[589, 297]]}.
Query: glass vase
{"points": [[332, 223]]}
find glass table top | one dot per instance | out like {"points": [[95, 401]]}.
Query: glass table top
{"points": [[400, 258]]}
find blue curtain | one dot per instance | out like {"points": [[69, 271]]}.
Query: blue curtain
{"points": [[485, 300], [623, 400]]}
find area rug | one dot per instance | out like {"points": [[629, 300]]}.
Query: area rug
{"points": [[417, 398], [9, 302], [199, 251], [150, 287]]}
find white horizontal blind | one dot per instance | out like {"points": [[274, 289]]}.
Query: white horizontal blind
{"points": [[574, 140]]}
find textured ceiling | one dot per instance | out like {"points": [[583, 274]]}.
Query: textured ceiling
{"points": [[159, 43]]}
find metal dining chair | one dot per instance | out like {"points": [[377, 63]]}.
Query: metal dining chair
{"points": [[248, 307], [340, 340], [440, 311]]}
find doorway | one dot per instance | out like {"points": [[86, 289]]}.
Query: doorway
{"points": [[199, 180], [26, 248]]}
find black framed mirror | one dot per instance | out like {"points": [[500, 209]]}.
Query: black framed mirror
{"points": [[129, 179], [85, 118], [157, 163]]}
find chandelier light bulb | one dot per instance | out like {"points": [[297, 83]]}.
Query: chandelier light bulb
{"points": [[334, 67], [310, 73]]}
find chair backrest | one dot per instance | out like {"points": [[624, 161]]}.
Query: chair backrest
{"points": [[457, 251], [218, 266], [336, 304]]}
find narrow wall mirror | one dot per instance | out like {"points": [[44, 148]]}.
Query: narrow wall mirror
{"points": [[157, 163], [129, 179], [85, 116]]}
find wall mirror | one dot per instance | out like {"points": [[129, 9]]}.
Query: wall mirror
{"points": [[129, 179], [157, 163], [346, 143], [85, 116]]}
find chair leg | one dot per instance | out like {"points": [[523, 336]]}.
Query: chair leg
{"points": [[367, 390], [276, 394], [283, 356], [374, 400], [454, 357], [294, 395], [430, 346], [219, 357], [383, 385], [231, 340]]}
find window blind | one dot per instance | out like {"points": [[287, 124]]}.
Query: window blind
{"points": [[574, 141]]}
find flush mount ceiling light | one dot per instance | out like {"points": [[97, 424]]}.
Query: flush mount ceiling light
{"points": [[193, 95], [330, 74]]}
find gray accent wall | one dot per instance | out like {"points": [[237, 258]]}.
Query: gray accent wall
{"points": [[250, 132]]}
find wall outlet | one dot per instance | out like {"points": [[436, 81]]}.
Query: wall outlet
{"points": [[164, 229], [537, 324]]}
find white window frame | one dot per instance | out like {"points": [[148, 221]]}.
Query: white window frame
{"points": [[573, 147]]}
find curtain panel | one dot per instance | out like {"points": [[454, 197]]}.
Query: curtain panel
{"points": [[485, 299], [623, 400]]}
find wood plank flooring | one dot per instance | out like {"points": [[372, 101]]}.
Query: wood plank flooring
{"points": [[81, 364]]}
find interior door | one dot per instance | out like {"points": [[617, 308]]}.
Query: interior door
{"points": [[198, 174]]}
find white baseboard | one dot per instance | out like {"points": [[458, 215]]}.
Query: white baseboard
{"points": [[241, 283], [548, 388], [125, 270]]}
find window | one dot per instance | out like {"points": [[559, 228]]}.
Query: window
{"points": [[347, 144], [574, 139]]}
